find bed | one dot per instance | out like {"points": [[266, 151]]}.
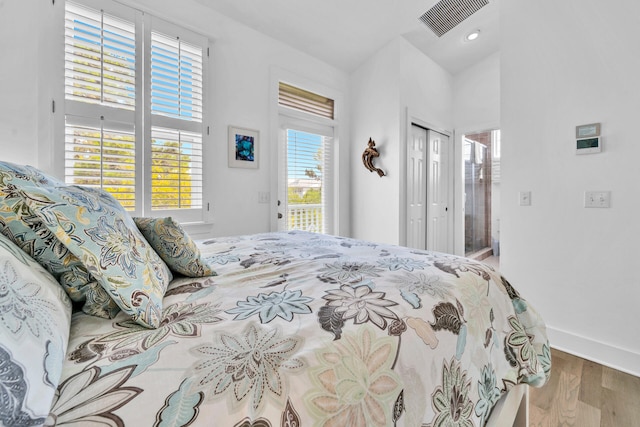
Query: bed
{"points": [[280, 329]]}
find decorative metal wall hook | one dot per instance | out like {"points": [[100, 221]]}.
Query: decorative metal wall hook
{"points": [[367, 158]]}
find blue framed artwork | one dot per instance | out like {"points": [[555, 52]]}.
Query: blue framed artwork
{"points": [[243, 147]]}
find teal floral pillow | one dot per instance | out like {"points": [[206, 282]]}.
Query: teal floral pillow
{"points": [[28, 173], [174, 246], [27, 231], [97, 230], [34, 333]]}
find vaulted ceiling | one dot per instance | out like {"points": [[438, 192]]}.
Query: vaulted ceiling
{"points": [[346, 32]]}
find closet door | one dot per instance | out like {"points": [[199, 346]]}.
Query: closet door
{"points": [[416, 188], [438, 192], [428, 190]]}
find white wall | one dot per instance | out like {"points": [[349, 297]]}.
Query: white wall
{"points": [[426, 89], [476, 96], [565, 64], [395, 82], [240, 76], [375, 113], [18, 82]]}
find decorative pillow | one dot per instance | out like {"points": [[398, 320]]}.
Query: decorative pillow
{"points": [[174, 246], [96, 229], [35, 314], [27, 231], [27, 173]]}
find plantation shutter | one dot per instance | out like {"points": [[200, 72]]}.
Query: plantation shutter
{"points": [[176, 78], [99, 58], [176, 100], [176, 175], [101, 154], [100, 101], [134, 108]]}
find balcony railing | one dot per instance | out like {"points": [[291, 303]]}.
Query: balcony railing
{"points": [[305, 217]]}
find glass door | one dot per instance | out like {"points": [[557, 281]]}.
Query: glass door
{"points": [[305, 179], [481, 171]]}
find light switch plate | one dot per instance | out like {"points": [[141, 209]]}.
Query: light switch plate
{"points": [[597, 199], [525, 198]]}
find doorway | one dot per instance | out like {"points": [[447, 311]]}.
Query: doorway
{"points": [[305, 176], [481, 157], [428, 190]]}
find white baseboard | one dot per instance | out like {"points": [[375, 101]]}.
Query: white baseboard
{"points": [[605, 354]]}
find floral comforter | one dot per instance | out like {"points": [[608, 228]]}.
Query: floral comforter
{"points": [[299, 329]]}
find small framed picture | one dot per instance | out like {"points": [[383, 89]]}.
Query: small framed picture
{"points": [[243, 147]]}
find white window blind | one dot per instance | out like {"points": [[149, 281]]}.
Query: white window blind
{"points": [[176, 78], [306, 154], [134, 113], [99, 58], [309, 174], [176, 173], [101, 154], [304, 100]]}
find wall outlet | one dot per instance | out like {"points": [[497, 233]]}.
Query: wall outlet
{"points": [[524, 198], [597, 199]]}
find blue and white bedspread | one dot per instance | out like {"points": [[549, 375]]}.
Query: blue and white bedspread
{"points": [[300, 329]]}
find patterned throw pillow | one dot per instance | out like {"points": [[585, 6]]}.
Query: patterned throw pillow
{"points": [[174, 246], [35, 321], [28, 173], [96, 228], [27, 231]]}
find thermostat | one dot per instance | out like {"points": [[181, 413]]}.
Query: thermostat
{"points": [[588, 139], [588, 145]]}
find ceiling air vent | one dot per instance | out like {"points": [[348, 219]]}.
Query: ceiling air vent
{"points": [[446, 14]]}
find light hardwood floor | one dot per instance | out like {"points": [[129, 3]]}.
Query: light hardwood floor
{"points": [[582, 393]]}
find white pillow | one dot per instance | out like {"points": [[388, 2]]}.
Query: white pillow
{"points": [[35, 317]]}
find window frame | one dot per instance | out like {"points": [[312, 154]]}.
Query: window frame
{"points": [[141, 117]]}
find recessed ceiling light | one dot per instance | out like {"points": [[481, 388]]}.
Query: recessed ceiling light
{"points": [[472, 35]]}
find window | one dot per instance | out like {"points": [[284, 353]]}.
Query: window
{"points": [[134, 109], [306, 121], [304, 100]]}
